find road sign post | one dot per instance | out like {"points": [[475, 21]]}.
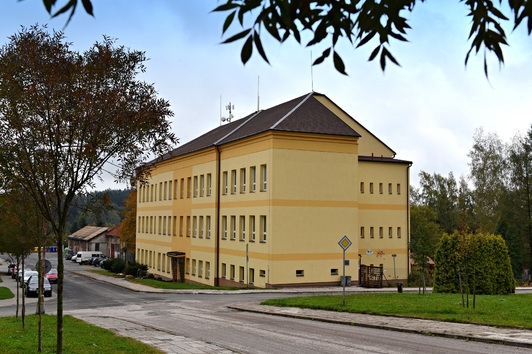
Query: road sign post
{"points": [[344, 242]]}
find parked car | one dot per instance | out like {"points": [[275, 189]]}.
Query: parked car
{"points": [[32, 288], [74, 258], [52, 276], [27, 274], [10, 268], [15, 272], [96, 262]]}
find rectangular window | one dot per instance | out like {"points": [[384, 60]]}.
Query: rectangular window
{"points": [[207, 270], [225, 182], [361, 187], [196, 186], [200, 227], [390, 232], [233, 181], [202, 185], [389, 188], [187, 265], [262, 273], [160, 191], [200, 269], [398, 189], [188, 226], [181, 226], [242, 180], [242, 228], [193, 267], [232, 272], [371, 232], [263, 228], [182, 188], [233, 227], [300, 273], [224, 270], [174, 226], [334, 271], [241, 274], [224, 227], [189, 187], [380, 188], [194, 226], [208, 226], [381, 232], [209, 184], [165, 196], [264, 178], [371, 188], [251, 275], [176, 189], [362, 232], [252, 228], [252, 179], [399, 232], [159, 228]]}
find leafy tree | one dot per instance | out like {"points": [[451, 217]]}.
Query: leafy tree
{"points": [[488, 166], [425, 233], [64, 114], [127, 231], [441, 195], [361, 22]]}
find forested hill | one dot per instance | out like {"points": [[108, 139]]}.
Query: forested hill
{"points": [[101, 208]]}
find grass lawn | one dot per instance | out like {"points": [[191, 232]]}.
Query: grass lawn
{"points": [[5, 293], [78, 337], [495, 310]]}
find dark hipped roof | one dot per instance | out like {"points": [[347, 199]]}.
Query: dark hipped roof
{"points": [[88, 233], [304, 114]]}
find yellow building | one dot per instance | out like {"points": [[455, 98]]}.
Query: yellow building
{"points": [[263, 201]]}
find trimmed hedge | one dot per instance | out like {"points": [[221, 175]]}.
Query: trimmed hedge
{"points": [[480, 260]]}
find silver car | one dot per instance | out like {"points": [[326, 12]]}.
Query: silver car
{"points": [[32, 287]]}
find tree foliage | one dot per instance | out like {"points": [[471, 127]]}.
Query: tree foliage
{"points": [[478, 262], [128, 227], [359, 22], [65, 114]]}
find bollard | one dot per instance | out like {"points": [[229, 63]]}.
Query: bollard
{"points": [[399, 287]]}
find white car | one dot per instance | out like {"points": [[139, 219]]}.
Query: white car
{"points": [[27, 275], [32, 288]]}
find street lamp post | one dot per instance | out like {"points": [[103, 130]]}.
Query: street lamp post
{"points": [[394, 276]]}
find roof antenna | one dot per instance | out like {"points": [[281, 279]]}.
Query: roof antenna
{"points": [[258, 95], [230, 107], [311, 73]]}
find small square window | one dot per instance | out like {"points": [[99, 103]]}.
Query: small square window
{"points": [[300, 273], [334, 271]]}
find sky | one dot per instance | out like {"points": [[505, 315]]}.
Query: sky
{"points": [[426, 110]]}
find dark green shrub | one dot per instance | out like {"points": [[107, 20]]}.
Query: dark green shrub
{"points": [[133, 269], [481, 261], [106, 264], [117, 265]]}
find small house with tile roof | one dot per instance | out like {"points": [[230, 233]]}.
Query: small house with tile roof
{"points": [[90, 238], [263, 201]]}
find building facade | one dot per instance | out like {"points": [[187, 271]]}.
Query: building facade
{"points": [[264, 200]]}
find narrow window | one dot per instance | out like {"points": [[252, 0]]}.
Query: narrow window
{"points": [[181, 226], [189, 187], [390, 232], [194, 226], [381, 231], [389, 188], [176, 189], [182, 188], [263, 228], [200, 232], [371, 232], [232, 270], [371, 188], [188, 226], [200, 269], [224, 227], [193, 267], [241, 274], [399, 232], [225, 182], [165, 196], [160, 191], [264, 177], [361, 187], [242, 228], [196, 186], [380, 188], [251, 276], [187, 265], [174, 226], [209, 184], [208, 226], [202, 185], [398, 188], [224, 270], [233, 181], [242, 180], [233, 227], [362, 232], [252, 179], [207, 270], [252, 228]]}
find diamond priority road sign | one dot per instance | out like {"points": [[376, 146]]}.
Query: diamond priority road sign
{"points": [[345, 243]]}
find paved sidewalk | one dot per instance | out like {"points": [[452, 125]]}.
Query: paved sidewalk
{"points": [[175, 344]]}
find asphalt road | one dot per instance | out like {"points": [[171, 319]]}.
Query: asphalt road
{"points": [[202, 318]]}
